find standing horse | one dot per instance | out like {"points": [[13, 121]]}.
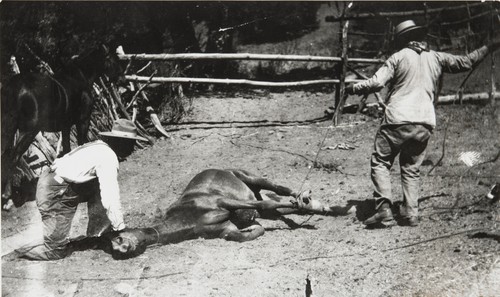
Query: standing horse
{"points": [[34, 102]]}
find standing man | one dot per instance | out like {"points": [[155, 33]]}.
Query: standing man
{"points": [[412, 75], [89, 173]]}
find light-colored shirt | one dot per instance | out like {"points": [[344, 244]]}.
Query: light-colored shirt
{"points": [[95, 160], [412, 79]]}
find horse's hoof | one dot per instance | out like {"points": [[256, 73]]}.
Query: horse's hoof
{"points": [[8, 205], [306, 194]]}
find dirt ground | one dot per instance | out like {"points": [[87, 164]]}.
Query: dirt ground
{"points": [[440, 257], [279, 136]]}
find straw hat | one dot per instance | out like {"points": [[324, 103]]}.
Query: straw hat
{"points": [[124, 129], [409, 31]]}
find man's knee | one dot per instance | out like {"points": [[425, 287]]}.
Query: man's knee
{"points": [[378, 161], [46, 252]]}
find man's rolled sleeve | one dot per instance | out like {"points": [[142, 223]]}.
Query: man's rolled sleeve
{"points": [[110, 195]]}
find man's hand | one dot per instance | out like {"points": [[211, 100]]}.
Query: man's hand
{"points": [[349, 89]]}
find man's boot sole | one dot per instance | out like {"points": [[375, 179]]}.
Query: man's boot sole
{"points": [[386, 223]]}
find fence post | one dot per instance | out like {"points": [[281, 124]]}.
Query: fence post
{"points": [[469, 30], [440, 81], [492, 56], [340, 90]]}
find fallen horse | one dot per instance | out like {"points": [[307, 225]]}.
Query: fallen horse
{"points": [[217, 204]]}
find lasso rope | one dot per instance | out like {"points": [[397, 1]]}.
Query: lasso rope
{"points": [[345, 9], [158, 234], [449, 119], [311, 167]]}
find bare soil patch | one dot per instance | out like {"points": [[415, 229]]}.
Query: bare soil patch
{"points": [[340, 256]]}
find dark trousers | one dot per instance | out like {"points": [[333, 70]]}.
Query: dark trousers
{"points": [[409, 141], [57, 203]]}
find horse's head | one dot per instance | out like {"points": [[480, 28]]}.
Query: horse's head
{"points": [[128, 243], [308, 204], [101, 61], [112, 67]]}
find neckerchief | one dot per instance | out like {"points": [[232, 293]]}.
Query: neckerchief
{"points": [[418, 46]]}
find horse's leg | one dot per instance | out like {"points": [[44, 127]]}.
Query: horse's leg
{"points": [[83, 123], [256, 183], [216, 224], [66, 141], [304, 203], [229, 231], [9, 120], [233, 204], [23, 142], [7, 162], [7, 166]]}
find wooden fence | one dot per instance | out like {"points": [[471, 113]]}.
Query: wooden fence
{"points": [[248, 56], [342, 59]]}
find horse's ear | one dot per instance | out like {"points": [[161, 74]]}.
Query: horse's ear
{"points": [[105, 49]]}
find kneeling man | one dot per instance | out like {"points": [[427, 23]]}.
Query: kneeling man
{"points": [[89, 173]]}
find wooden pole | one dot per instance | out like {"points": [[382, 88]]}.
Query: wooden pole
{"points": [[440, 80], [118, 101], [340, 90], [475, 96], [152, 114], [102, 103], [371, 15], [492, 56], [111, 101], [465, 20], [243, 56], [376, 94], [135, 109], [469, 29], [142, 86], [227, 81], [140, 129], [14, 68]]}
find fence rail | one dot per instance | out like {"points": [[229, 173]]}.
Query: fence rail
{"points": [[243, 56], [371, 15], [227, 81]]}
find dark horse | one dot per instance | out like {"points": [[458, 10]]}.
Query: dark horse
{"points": [[34, 102]]}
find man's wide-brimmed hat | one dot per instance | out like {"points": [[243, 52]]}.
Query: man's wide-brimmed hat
{"points": [[125, 129], [409, 31]]}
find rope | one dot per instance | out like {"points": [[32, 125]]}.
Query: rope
{"points": [[311, 167], [345, 9], [449, 119], [158, 235]]}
